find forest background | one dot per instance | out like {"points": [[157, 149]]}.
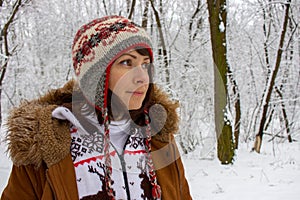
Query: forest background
{"points": [[233, 65]]}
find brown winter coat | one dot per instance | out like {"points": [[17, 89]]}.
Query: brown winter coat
{"points": [[39, 147]]}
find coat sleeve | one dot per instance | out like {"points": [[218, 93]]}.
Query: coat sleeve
{"points": [[170, 170], [25, 182]]}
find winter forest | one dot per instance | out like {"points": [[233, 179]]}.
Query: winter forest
{"points": [[234, 66]]}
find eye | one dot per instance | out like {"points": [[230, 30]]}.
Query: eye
{"points": [[146, 65], [127, 62]]}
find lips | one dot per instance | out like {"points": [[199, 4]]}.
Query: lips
{"points": [[136, 93]]}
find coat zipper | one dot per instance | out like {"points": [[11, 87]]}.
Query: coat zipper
{"points": [[123, 164]]}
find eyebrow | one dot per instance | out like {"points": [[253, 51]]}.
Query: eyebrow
{"points": [[135, 57]]}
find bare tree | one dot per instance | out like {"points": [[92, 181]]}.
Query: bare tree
{"points": [[217, 20], [163, 50], [145, 15], [132, 9], [271, 81], [5, 46], [237, 107]]}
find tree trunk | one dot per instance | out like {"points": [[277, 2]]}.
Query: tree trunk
{"points": [[271, 83], [193, 18], [190, 36], [105, 7], [217, 20], [285, 118], [237, 107], [163, 50], [131, 9], [145, 15], [269, 119]]}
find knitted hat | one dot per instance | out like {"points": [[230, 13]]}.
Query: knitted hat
{"points": [[96, 46]]}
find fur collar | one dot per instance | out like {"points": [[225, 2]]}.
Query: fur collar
{"points": [[34, 137]]}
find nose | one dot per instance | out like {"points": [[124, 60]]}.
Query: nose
{"points": [[140, 75]]}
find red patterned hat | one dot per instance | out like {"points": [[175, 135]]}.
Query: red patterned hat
{"points": [[96, 46]]}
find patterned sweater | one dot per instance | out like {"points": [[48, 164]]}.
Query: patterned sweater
{"points": [[130, 175]]}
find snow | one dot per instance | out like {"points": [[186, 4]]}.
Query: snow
{"points": [[252, 176], [273, 174], [5, 167], [221, 27]]}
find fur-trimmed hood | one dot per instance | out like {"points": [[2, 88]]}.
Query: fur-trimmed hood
{"points": [[34, 136]]}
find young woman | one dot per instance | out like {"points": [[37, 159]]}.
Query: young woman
{"points": [[107, 135]]}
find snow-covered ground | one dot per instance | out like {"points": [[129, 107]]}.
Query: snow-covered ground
{"points": [[274, 174]]}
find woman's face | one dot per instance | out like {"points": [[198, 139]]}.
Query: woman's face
{"points": [[129, 78]]}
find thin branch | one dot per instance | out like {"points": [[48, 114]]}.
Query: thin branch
{"points": [[105, 8], [131, 9], [4, 33], [145, 15]]}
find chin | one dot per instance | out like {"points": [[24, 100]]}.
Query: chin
{"points": [[135, 107]]}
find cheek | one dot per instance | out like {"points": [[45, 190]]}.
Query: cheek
{"points": [[118, 84], [112, 82], [114, 79]]}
